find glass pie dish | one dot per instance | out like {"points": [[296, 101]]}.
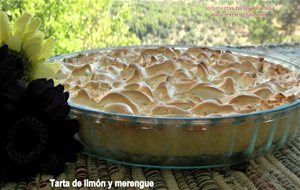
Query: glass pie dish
{"points": [[181, 142]]}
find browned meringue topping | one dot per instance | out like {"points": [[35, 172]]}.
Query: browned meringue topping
{"points": [[173, 82]]}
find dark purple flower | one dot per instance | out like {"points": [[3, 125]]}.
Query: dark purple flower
{"points": [[46, 101], [11, 67], [38, 136]]}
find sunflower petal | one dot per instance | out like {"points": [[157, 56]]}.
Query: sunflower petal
{"points": [[52, 164], [14, 42], [62, 112], [33, 46], [4, 29], [56, 82], [37, 87], [33, 35], [21, 23], [33, 25], [68, 128], [46, 49], [44, 70]]}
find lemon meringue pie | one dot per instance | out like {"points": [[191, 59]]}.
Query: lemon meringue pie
{"points": [[181, 106], [169, 82]]}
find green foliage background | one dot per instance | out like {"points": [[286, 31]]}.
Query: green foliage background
{"points": [[86, 24], [78, 24], [188, 22]]}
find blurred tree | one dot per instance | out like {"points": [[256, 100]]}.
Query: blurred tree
{"points": [[289, 17], [261, 31], [78, 24], [279, 26], [86, 24]]}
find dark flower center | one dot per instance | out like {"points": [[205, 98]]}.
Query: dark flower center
{"points": [[22, 64], [17, 60], [27, 140]]}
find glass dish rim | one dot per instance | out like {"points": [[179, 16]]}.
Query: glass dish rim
{"points": [[246, 52]]}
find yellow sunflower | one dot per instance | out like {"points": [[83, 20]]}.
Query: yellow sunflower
{"points": [[26, 38]]}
